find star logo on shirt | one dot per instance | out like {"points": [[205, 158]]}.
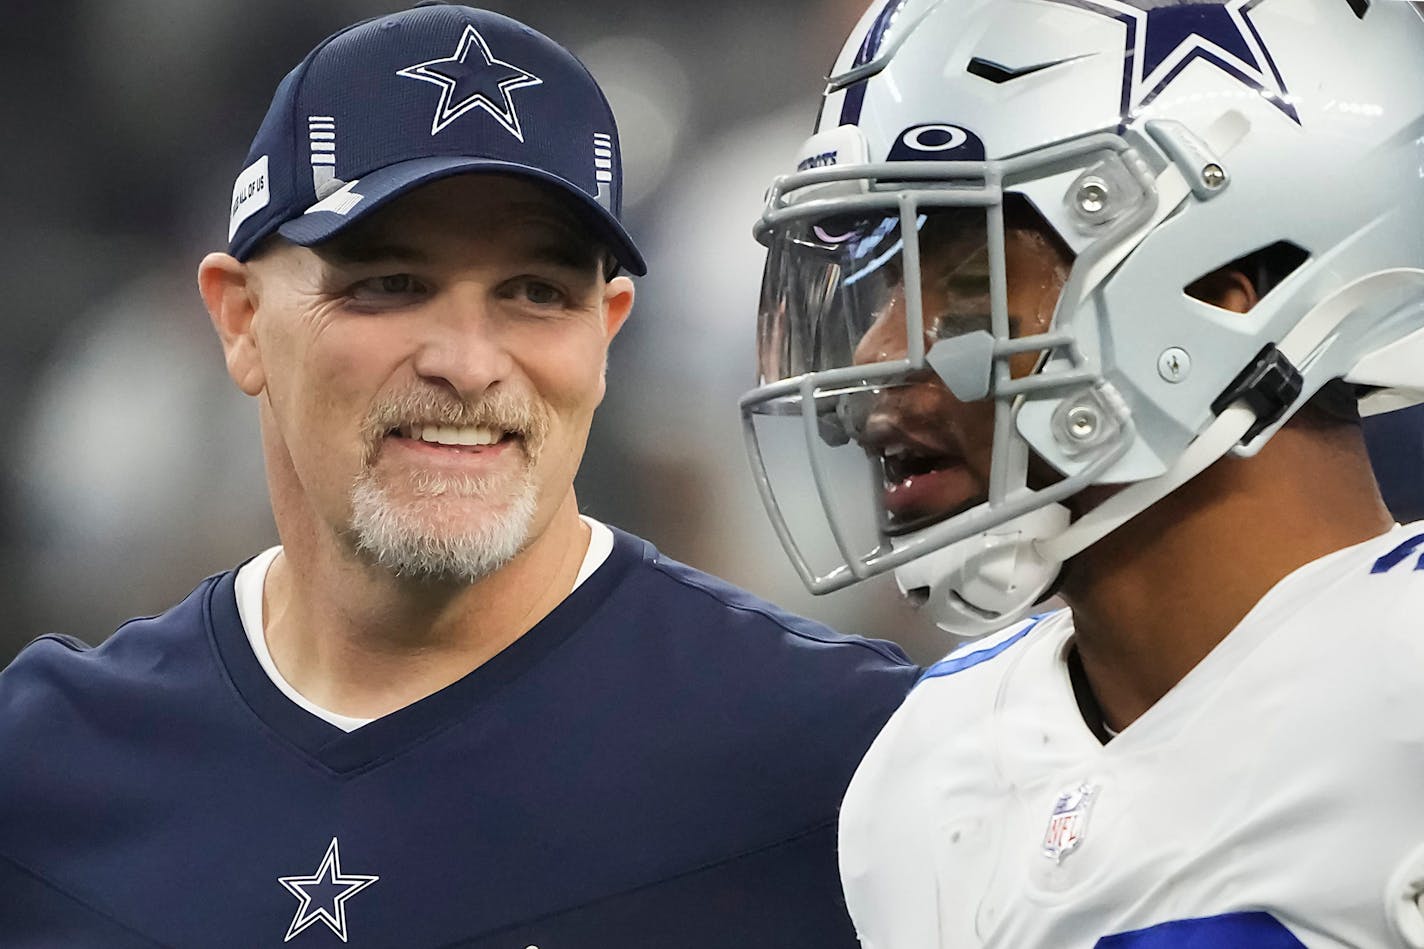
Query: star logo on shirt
{"points": [[1164, 37], [472, 78], [324, 894]]}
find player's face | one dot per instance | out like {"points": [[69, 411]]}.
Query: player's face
{"points": [[431, 374], [934, 451]]}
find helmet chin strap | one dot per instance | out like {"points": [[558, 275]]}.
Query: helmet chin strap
{"points": [[1301, 346], [986, 581]]}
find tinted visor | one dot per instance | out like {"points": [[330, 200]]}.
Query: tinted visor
{"points": [[834, 290], [846, 294]]}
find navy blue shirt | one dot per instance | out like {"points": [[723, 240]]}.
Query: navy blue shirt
{"points": [[659, 762]]}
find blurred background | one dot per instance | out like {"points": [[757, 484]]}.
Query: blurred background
{"points": [[135, 468]]}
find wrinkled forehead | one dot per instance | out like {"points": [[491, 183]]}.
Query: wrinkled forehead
{"points": [[465, 213]]}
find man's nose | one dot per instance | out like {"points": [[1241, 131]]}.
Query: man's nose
{"points": [[887, 337], [462, 344]]}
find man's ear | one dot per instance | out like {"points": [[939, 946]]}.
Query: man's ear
{"points": [[228, 289], [1227, 288], [617, 304]]}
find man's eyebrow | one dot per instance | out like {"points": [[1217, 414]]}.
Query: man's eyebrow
{"points": [[370, 251], [564, 254], [557, 237]]}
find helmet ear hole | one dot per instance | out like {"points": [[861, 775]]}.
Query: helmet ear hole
{"points": [[1266, 269], [1228, 288]]}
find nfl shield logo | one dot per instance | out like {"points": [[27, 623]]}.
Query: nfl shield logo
{"points": [[1069, 821]]}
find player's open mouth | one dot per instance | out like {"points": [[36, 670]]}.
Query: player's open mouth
{"points": [[921, 485]]}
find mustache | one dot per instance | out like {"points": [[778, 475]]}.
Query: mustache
{"points": [[500, 410]]}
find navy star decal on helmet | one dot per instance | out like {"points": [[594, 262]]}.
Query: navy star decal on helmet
{"points": [[1164, 39]]}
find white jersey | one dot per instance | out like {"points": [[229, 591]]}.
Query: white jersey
{"points": [[1273, 798]]}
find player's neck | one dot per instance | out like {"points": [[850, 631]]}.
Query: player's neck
{"points": [[1151, 600], [355, 640]]}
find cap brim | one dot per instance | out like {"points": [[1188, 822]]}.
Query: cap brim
{"points": [[331, 216]]}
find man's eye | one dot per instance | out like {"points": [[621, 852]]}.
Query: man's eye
{"points": [[541, 294], [396, 285], [399, 283]]}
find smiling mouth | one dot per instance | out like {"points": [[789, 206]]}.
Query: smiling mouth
{"points": [[452, 436]]}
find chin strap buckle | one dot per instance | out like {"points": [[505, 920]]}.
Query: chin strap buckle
{"points": [[1269, 385]]}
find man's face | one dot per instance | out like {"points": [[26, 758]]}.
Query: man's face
{"points": [[429, 376], [934, 450]]}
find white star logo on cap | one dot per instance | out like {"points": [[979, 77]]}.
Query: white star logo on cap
{"points": [[486, 81]]}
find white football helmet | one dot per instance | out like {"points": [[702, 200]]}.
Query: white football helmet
{"points": [[1160, 141]]}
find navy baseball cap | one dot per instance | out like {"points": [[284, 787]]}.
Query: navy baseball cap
{"points": [[395, 102]]}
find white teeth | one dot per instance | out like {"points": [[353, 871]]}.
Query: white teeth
{"points": [[450, 435], [895, 451]]}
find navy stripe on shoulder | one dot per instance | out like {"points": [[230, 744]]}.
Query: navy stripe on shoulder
{"points": [[961, 659], [735, 598], [72, 643]]}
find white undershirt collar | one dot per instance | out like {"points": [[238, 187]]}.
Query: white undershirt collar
{"points": [[253, 576]]}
